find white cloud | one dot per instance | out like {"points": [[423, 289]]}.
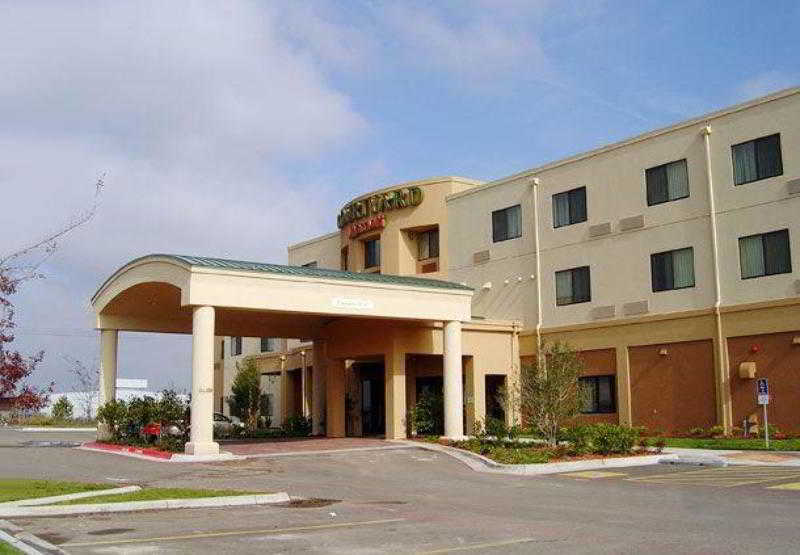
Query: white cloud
{"points": [[195, 110], [765, 83]]}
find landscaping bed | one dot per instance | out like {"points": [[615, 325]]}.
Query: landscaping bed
{"points": [[750, 444], [157, 494]]}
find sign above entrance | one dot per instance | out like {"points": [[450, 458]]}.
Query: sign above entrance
{"points": [[377, 204], [353, 304], [362, 226]]}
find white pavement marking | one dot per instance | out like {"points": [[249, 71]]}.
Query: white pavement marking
{"points": [[474, 546], [68, 497]]}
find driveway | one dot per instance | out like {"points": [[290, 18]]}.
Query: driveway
{"points": [[410, 500]]}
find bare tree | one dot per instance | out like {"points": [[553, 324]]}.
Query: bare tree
{"points": [[87, 383]]}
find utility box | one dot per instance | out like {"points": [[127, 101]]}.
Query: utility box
{"points": [[747, 370]]}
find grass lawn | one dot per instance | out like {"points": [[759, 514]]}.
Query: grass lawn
{"points": [[8, 549], [155, 494], [742, 444], [14, 489]]}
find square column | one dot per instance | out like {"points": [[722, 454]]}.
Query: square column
{"points": [[318, 389], [202, 432], [286, 393], [109, 340], [395, 392], [305, 387], [453, 388], [335, 391]]}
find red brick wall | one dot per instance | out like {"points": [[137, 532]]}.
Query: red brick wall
{"points": [[676, 392], [777, 360]]}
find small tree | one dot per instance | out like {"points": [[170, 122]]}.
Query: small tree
{"points": [[115, 415], [549, 391], [62, 409], [245, 398], [87, 383]]}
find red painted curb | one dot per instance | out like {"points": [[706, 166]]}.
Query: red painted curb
{"points": [[129, 449]]}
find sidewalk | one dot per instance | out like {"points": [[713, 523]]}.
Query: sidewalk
{"points": [[739, 457]]}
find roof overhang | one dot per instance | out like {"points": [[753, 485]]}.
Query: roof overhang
{"points": [[156, 293]]}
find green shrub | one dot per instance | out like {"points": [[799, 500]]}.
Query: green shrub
{"points": [[715, 431], [644, 443], [245, 399], [496, 428], [427, 416], [297, 426], [580, 437], [114, 414], [62, 409], [697, 432], [659, 444], [171, 410], [141, 412], [613, 438]]}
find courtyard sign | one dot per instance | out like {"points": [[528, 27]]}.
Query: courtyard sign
{"points": [[377, 204]]}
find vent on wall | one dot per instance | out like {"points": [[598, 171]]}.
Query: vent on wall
{"points": [[797, 286], [632, 309], [600, 312], [794, 187], [634, 222], [600, 229], [480, 257]]}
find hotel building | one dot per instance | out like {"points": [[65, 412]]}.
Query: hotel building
{"points": [[669, 260]]}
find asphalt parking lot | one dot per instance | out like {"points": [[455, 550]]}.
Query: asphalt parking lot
{"points": [[409, 500]]}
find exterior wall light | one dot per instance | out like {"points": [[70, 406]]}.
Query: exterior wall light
{"points": [[662, 352], [796, 340], [754, 348], [486, 286]]}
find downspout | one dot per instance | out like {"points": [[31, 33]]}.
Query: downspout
{"points": [[535, 186], [722, 358]]}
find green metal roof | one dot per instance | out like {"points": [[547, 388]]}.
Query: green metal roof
{"points": [[280, 269]]}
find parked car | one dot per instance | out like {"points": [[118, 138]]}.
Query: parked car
{"points": [[224, 425]]}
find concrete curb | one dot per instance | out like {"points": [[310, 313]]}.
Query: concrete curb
{"points": [[323, 452], [48, 429], [137, 453], [68, 497], [25, 541], [203, 502], [480, 463]]}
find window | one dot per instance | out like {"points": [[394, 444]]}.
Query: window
{"points": [[600, 397], [573, 286], [428, 244], [372, 253], [222, 349], [269, 344], [569, 207], [765, 254], [758, 159], [236, 346], [343, 259], [667, 182], [672, 269], [312, 264], [507, 223]]}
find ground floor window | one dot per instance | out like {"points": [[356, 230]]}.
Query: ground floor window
{"points": [[600, 397]]}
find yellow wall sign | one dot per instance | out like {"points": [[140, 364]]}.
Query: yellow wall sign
{"points": [[382, 202]]}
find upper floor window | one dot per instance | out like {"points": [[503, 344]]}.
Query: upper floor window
{"points": [[222, 349], [765, 254], [600, 397], [757, 159], [372, 253], [667, 182], [507, 223], [428, 244], [672, 269], [573, 286], [569, 207], [312, 264], [269, 344], [236, 346]]}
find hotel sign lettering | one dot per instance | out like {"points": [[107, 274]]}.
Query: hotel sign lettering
{"points": [[363, 226], [377, 204]]}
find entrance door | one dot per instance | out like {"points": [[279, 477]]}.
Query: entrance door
{"points": [[373, 402], [494, 407]]}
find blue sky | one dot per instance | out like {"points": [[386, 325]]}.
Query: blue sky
{"points": [[267, 116]]}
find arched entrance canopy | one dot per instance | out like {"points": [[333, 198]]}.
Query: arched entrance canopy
{"points": [[210, 297]]}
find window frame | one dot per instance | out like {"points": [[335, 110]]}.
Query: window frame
{"points": [[366, 242], [267, 344], [755, 145], [612, 380], [506, 211], [569, 195], [664, 166], [427, 234], [236, 345], [673, 288], [764, 253], [588, 282]]}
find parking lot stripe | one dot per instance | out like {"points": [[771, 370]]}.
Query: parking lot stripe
{"points": [[224, 533], [722, 477], [475, 546], [792, 486]]}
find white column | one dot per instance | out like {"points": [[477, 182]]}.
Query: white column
{"points": [[453, 387], [108, 374], [318, 389], [202, 434], [304, 385]]}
